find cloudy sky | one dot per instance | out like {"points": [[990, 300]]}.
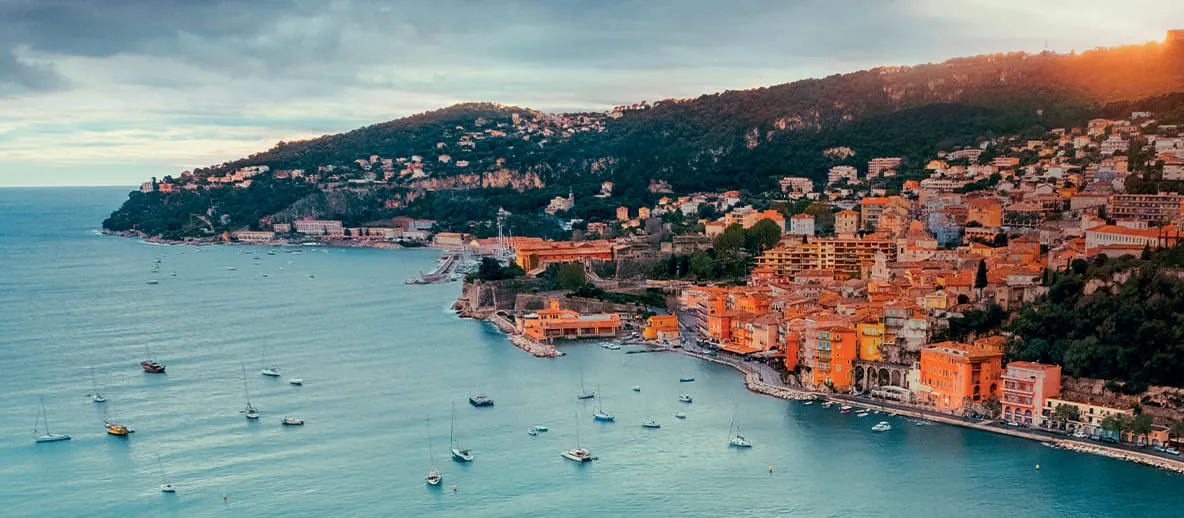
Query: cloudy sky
{"points": [[110, 92]]}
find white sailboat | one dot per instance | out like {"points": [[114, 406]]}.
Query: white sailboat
{"points": [[458, 454], [578, 454], [165, 485], [95, 395], [649, 421], [272, 371], [47, 436], [600, 414], [584, 394], [434, 477], [249, 411], [735, 438]]}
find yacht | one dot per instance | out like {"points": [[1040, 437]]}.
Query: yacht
{"points": [[480, 400], [434, 476], [637, 388], [685, 380], [249, 411], [270, 371], [532, 432], [293, 421], [808, 403], [600, 414], [684, 398], [540, 428], [117, 429], [861, 413], [680, 415], [614, 347], [295, 381], [882, 426], [578, 455], [43, 417], [95, 396], [650, 423]]}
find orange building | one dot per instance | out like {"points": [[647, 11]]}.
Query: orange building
{"points": [[553, 322], [661, 327], [1026, 386], [530, 257], [960, 375], [846, 221], [871, 335], [986, 211], [836, 348]]}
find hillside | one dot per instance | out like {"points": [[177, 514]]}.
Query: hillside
{"points": [[477, 157]]}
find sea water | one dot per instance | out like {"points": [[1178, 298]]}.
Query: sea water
{"points": [[380, 359]]}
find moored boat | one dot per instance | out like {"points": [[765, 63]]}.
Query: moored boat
{"points": [[296, 381], [637, 388], [684, 398], [685, 380], [48, 436], [650, 423], [117, 429], [480, 400], [578, 455], [292, 421], [459, 454], [882, 426], [680, 415]]}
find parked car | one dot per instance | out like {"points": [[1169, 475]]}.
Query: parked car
{"points": [[1160, 449], [1109, 440], [1079, 434], [1172, 451], [1012, 423]]}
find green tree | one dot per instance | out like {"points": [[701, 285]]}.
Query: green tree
{"points": [[1141, 425], [1176, 430], [568, 276], [1063, 414], [980, 277], [702, 265], [1117, 424], [765, 234], [732, 240], [824, 217]]}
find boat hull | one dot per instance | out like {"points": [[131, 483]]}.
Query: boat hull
{"points": [[462, 456], [53, 437], [152, 367]]}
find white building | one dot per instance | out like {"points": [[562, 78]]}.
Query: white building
{"points": [[876, 166], [840, 172], [802, 225]]}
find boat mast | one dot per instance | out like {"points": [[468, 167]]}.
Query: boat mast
{"points": [[163, 479], [245, 389], [431, 456], [452, 428], [44, 416]]}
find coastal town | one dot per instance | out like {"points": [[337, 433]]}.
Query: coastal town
{"points": [[888, 281]]}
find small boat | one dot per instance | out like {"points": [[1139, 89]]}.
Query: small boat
{"points": [[540, 428], [165, 485], [650, 423], [480, 400], [862, 413], [434, 477], [845, 407], [600, 414], [736, 439], [458, 454], [48, 436], [578, 455], [153, 281], [827, 404], [808, 403], [117, 429], [295, 381], [680, 415], [613, 347], [152, 367], [684, 398], [583, 393], [270, 371], [95, 396], [249, 411], [882, 426], [532, 432], [637, 388], [231, 268], [293, 421], [685, 380]]}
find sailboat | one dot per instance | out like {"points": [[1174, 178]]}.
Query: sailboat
{"points": [[165, 486], [734, 436], [578, 454], [600, 414], [458, 454], [649, 422], [272, 371], [95, 396], [434, 477], [47, 436], [250, 411], [114, 427], [584, 394], [150, 365]]}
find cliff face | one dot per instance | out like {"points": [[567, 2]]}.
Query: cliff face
{"points": [[491, 180]]}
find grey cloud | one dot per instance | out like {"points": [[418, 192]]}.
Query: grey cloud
{"points": [[17, 76]]}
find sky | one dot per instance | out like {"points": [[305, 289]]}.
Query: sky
{"points": [[112, 92]]}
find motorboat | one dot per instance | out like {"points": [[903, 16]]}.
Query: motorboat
{"points": [[808, 403], [434, 477], [540, 428], [650, 423], [167, 488], [293, 421], [152, 367], [827, 404], [861, 413], [684, 398], [296, 381], [585, 395], [153, 281], [680, 415], [613, 347], [637, 388], [685, 380], [882, 426], [532, 432], [270, 371], [117, 430], [480, 400], [578, 455]]}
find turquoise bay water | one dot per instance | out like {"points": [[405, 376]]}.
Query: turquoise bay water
{"points": [[379, 358]]}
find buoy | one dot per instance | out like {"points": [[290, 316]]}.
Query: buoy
{"points": [[770, 469], [1037, 466], [453, 489]]}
